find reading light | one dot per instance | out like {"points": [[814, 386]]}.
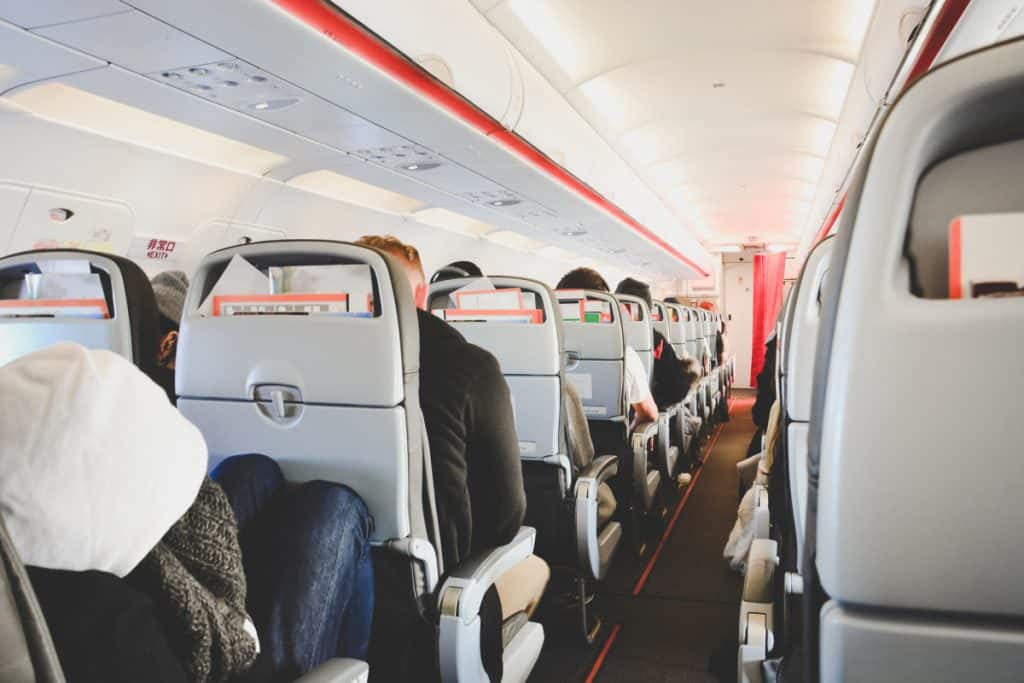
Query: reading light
{"points": [[574, 233], [421, 166], [504, 202], [61, 215], [270, 105]]}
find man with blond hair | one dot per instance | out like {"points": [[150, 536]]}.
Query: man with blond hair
{"points": [[474, 450]]}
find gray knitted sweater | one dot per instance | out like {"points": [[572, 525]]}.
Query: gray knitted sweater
{"points": [[194, 577]]}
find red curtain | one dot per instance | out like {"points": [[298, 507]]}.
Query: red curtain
{"points": [[769, 272]]}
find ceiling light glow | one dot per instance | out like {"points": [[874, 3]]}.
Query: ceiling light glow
{"points": [[80, 109], [351, 191]]}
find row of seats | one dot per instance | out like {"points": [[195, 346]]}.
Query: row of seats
{"points": [[892, 548], [293, 388]]}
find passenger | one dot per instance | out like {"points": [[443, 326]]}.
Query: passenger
{"points": [[765, 393], [474, 449], [754, 470], [455, 270], [638, 390], [672, 378], [671, 381], [169, 288], [135, 554]]}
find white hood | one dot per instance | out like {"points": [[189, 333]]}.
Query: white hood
{"points": [[95, 463]]}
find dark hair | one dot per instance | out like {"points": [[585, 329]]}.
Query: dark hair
{"points": [[635, 288], [167, 325], [583, 278], [456, 270]]}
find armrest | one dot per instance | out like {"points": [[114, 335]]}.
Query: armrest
{"points": [[599, 471], [464, 589], [644, 432], [458, 643], [338, 671], [588, 541], [761, 562]]}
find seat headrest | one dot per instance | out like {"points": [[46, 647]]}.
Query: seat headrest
{"points": [[800, 333], [637, 324], [906, 381], [131, 330], [602, 339], [353, 359], [521, 348]]}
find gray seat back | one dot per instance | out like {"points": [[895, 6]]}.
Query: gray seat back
{"points": [[328, 397], [27, 654], [637, 328], [531, 357], [694, 335], [915, 436], [595, 352], [659, 319], [677, 328], [799, 334], [131, 328]]}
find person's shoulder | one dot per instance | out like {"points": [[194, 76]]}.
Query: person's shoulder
{"points": [[481, 362], [433, 330]]}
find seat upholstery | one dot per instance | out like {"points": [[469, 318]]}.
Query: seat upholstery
{"points": [[531, 358], [912, 464], [132, 330], [27, 654], [337, 398]]}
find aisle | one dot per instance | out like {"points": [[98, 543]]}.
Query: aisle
{"points": [[668, 618], [685, 614]]}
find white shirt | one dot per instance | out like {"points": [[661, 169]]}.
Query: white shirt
{"points": [[638, 389]]}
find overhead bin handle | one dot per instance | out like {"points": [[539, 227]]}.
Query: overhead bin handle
{"points": [[572, 360]]}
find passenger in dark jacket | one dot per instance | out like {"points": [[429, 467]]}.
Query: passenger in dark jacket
{"points": [[474, 450], [765, 395]]}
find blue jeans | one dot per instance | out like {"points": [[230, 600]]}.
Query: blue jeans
{"points": [[306, 552]]}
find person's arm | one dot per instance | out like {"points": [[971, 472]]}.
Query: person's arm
{"points": [[638, 391], [495, 472], [644, 411]]}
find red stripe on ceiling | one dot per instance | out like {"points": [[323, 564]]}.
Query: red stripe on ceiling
{"points": [[830, 221], [356, 38], [949, 15]]}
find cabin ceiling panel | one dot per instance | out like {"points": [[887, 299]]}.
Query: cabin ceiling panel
{"points": [[25, 58], [306, 58], [36, 13], [134, 41]]}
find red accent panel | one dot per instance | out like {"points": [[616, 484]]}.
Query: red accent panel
{"points": [[830, 221], [356, 38], [955, 260], [342, 29], [769, 271], [949, 15]]}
